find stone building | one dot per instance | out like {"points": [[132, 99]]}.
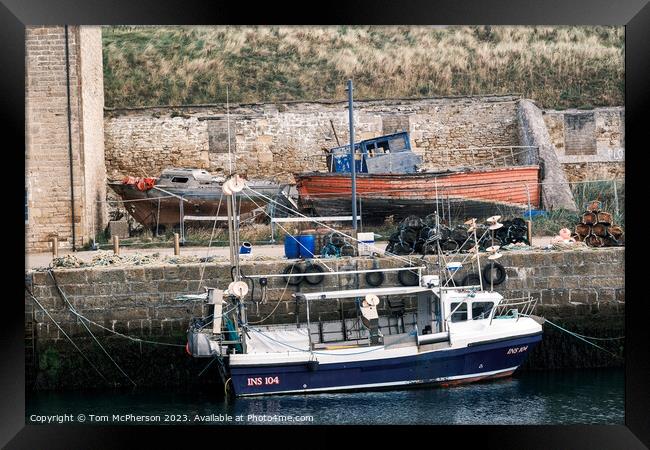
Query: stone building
{"points": [[64, 136]]}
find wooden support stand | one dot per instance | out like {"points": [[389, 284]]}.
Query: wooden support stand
{"points": [[529, 224], [55, 247], [116, 245], [177, 245]]}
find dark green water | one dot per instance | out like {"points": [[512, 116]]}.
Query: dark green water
{"points": [[554, 397]]}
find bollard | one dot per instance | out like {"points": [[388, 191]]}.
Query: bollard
{"points": [[177, 246], [529, 224], [55, 247], [116, 245]]}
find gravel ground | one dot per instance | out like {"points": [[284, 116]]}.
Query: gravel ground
{"points": [[33, 260]]}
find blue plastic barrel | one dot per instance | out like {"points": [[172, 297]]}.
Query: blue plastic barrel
{"points": [[308, 245], [245, 248], [291, 247]]}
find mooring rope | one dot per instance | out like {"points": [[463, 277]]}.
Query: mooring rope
{"points": [[126, 336], [65, 334], [582, 337]]}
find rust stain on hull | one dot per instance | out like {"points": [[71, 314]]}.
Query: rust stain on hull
{"points": [[396, 194]]}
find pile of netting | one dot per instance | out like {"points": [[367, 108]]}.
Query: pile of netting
{"points": [[422, 236]]}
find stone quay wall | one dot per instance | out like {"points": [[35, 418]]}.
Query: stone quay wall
{"points": [[584, 290]]}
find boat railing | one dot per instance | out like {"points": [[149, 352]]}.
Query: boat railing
{"points": [[347, 272], [476, 157], [514, 308]]}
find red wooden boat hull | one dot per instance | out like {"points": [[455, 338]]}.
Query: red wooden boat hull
{"points": [[475, 193]]}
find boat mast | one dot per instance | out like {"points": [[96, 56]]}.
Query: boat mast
{"points": [[228, 121], [353, 169]]}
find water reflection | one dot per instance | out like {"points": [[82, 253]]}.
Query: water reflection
{"points": [[564, 397]]}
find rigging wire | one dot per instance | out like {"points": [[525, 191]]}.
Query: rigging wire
{"points": [[392, 255], [89, 331], [65, 334]]}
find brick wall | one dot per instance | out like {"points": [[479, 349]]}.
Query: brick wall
{"points": [[47, 155]]}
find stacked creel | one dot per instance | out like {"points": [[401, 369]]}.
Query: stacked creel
{"points": [[597, 229], [421, 236]]}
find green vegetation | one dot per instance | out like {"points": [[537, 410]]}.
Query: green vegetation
{"points": [[611, 194], [557, 66]]}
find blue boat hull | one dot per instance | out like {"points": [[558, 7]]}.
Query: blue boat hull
{"points": [[473, 363]]}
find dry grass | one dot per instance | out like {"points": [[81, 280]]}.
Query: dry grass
{"points": [[557, 66]]}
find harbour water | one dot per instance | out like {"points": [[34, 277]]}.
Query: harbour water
{"points": [[528, 398]]}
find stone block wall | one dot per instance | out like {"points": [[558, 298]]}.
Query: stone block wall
{"points": [[141, 300], [590, 144], [47, 157], [277, 140]]}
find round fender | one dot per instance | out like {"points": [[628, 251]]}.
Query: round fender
{"points": [[314, 278], [408, 277], [294, 270], [488, 271], [375, 279]]}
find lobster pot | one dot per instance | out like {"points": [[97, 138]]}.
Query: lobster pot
{"points": [[616, 231], [599, 230], [605, 218], [589, 218], [594, 206], [594, 241], [583, 230]]}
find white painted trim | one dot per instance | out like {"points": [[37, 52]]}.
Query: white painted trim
{"points": [[393, 383]]}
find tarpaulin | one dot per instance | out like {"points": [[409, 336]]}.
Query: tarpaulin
{"points": [[142, 184]]}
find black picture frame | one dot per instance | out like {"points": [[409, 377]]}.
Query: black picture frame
{"points": [[634, 14]]}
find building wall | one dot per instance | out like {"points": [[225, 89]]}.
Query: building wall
{"points": [[276, 140], [47, 157], [590, 144]]}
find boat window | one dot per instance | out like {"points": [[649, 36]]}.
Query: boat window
{"points": [[461, 312], [180, 180], [398, 144], [481, 310]]}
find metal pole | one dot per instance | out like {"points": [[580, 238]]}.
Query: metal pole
{"points": [[158, 218], [353, 169], [228, 126], [116, 244], [182, 214], [616, 200], [530, 211], [234, 236]]}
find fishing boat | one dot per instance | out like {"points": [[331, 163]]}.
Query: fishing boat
{"points": [[389, 182], [181, 193], [454, 334]]}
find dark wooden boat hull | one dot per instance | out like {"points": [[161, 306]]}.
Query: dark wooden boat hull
{"points": [[471, 193], [157, 209]]}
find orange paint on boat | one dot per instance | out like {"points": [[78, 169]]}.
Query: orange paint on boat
{"points": [[511, 185]]}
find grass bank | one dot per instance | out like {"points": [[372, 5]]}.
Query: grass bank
{"points": [[557, 66]]}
